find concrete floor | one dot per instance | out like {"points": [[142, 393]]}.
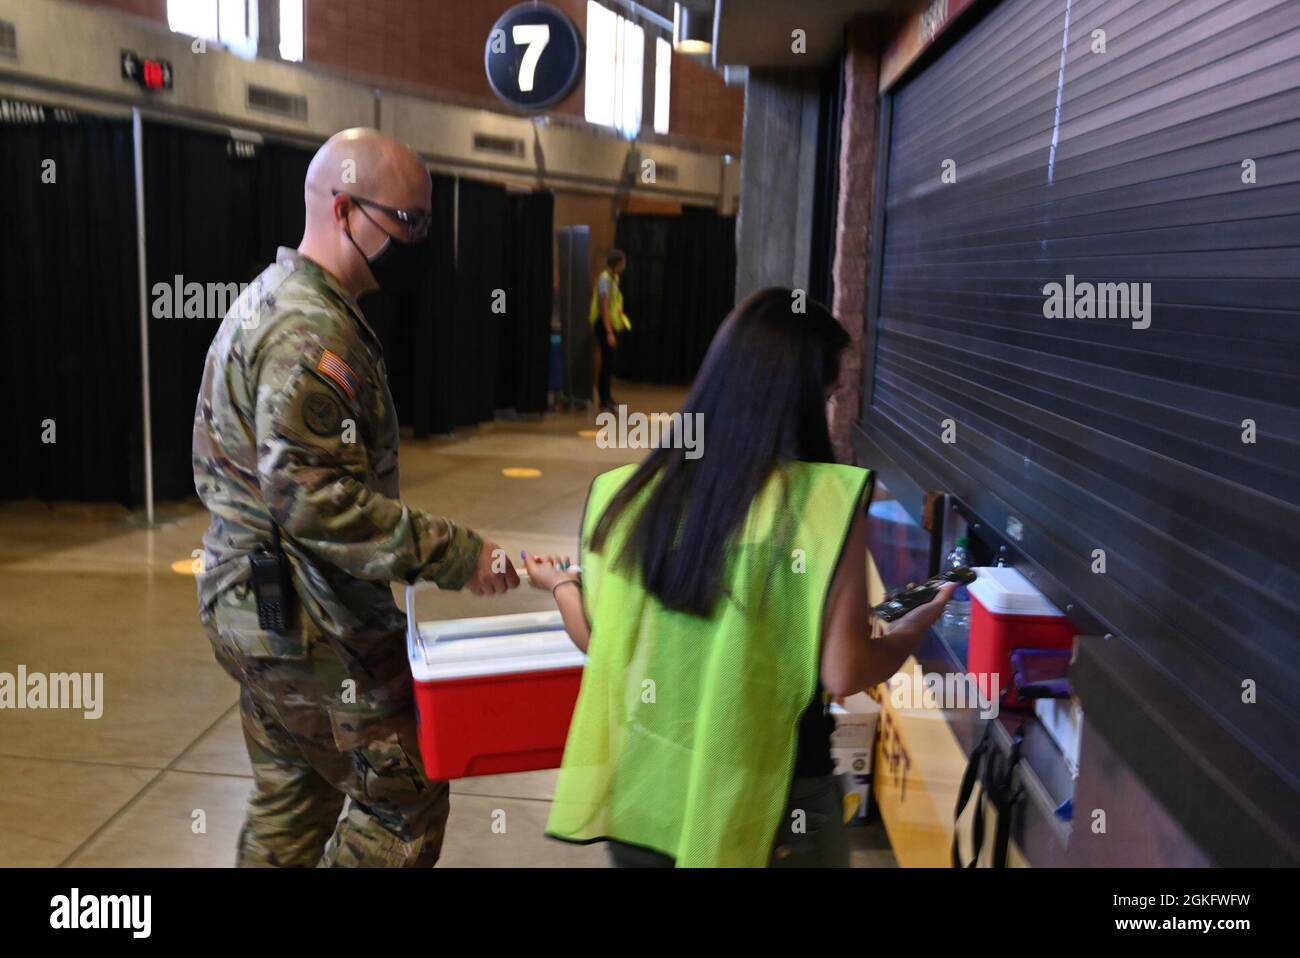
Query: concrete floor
{"points": [[161, 777]]}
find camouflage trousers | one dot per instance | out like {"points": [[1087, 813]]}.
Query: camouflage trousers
{"points": [[336, 783]]}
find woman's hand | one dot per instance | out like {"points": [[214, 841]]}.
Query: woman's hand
{"points": [[548, 571], [919, 620]]}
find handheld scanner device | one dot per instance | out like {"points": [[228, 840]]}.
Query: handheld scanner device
{"points": [[901, 603]]}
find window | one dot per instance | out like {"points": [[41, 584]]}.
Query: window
{"points": [[291, 30], [233, 24], [195, 18], [663, 82], [615, 60]]}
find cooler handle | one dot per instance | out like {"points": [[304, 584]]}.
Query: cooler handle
{"points": [[412, 626]]}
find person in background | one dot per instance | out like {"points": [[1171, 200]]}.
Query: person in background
{"points": [[295, 457], [608, 320], [720, 601]]}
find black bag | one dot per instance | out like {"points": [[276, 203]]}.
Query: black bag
{"points": [[986, 805]]}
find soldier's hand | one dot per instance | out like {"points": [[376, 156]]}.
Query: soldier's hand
{"points": [[494, 573]]}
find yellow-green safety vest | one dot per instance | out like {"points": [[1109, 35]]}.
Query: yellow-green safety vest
{"points": [[617, 318], [684, 734]]}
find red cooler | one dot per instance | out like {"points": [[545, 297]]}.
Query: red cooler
{"points": [[494, 694], [1007, 613]]}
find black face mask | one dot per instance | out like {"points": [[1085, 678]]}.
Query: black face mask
{"points": [[397, 265]]}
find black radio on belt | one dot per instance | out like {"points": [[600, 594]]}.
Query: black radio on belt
{"points": [[273, 586]]}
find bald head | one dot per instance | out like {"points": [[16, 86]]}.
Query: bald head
{"points": [[369, 164], [363, 164]]}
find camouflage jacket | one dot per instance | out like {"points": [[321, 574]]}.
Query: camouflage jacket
{"points": [[295, 423]]}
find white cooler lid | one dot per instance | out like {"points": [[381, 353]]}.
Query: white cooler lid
{"points": [[493, 645], [1004, 591]]}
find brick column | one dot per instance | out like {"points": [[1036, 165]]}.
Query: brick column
{"points": [[853, 218]]}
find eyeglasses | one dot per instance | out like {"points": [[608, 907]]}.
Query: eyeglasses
{"points": [[416, 221]]}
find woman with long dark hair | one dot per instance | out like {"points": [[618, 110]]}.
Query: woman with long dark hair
{"points": [[722, 598]]}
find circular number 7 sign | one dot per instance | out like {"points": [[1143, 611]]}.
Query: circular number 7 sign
{"points": [[533, 56]]}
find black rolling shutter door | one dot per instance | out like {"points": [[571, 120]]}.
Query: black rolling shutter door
{"points": [[1095, 434]]}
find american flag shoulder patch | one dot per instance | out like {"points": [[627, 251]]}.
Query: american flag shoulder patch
{"points": [[332, 365]]}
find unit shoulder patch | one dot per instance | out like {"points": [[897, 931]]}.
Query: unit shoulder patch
{"points": [[321, 412]]}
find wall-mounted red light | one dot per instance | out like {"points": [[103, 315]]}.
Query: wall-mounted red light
{"points": [[151, 74]]}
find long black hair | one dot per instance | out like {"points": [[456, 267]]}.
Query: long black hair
{"points": [[761, 393]]}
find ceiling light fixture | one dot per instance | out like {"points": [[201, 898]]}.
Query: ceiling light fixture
{"points": [[692, 30]]}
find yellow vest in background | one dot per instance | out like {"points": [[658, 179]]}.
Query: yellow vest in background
{"points": [[617, 318]]}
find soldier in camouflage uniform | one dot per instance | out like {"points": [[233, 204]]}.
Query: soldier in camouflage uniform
{"points": [[295, 426]]}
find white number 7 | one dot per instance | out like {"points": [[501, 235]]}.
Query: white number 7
{"points": [[535, 36]]}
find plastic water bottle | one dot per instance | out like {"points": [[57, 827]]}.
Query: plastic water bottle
{"points": [[957, 613]]}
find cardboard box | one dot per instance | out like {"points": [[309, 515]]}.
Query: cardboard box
{"points": [[1063, 720], [852, 750]]}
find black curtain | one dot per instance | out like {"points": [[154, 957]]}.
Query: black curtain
{"points": [[524, 330], [469, 366], [202, 225], [644, 237], [281, 216], [415, 325], [70, 308], [215, 215], [679, 285], [476, 337]]}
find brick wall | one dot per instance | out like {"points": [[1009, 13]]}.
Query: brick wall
{"points": [[703, 107], [439, 47], [153, 9], [853, 219], [435, 47]]}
